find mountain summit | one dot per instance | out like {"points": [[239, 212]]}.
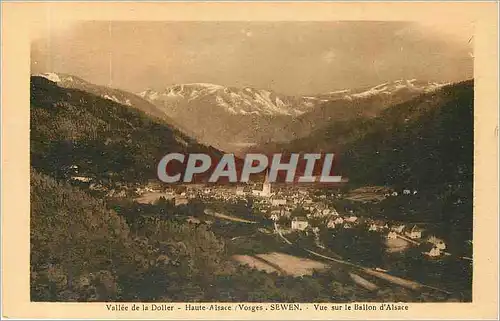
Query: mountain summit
{"points": [[262, 102], [230, 118], [397, 87], [235, 101]]}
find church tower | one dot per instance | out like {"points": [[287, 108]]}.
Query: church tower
{"points": [[266, 187]]}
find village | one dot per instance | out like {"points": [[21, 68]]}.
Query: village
{"points": [[327, 223], [293, 209], [301, 210]]}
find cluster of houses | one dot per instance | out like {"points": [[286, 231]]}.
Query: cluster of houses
{"points": [[438, 247], [281, 205], [277, 205], [414, 235], [411, 234]]}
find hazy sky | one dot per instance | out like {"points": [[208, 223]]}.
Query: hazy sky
{"points": [[288, 57]]}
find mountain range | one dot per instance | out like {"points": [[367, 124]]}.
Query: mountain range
{"points": [[234, 119], [260, 102]]}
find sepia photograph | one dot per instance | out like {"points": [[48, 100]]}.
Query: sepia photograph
{"points": [[392, 100], [254, 165]]}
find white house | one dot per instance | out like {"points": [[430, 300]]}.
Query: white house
{"points": [[398, 229], [180, 201], [347, 226], [441, 245], [372, 227], [299, 224], [415, 233], [330, 224], [351, 219], [278, 201], [274, 217], [392, 235], [394, 194], [434, 252], [438, 243], [406, 192], [339, 220]]}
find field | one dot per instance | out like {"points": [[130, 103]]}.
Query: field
{"points": [[282, 263], [152, 197], [227, 217]]}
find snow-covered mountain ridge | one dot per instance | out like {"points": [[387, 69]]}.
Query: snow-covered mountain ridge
{"points": [[251, 101]]}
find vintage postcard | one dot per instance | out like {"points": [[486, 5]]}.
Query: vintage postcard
{"points": [[257, 160]]}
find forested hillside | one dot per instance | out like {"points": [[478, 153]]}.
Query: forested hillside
{"points": [[105, 140], [81, 251], [421, 142], [424, 144], [424, 141]]}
